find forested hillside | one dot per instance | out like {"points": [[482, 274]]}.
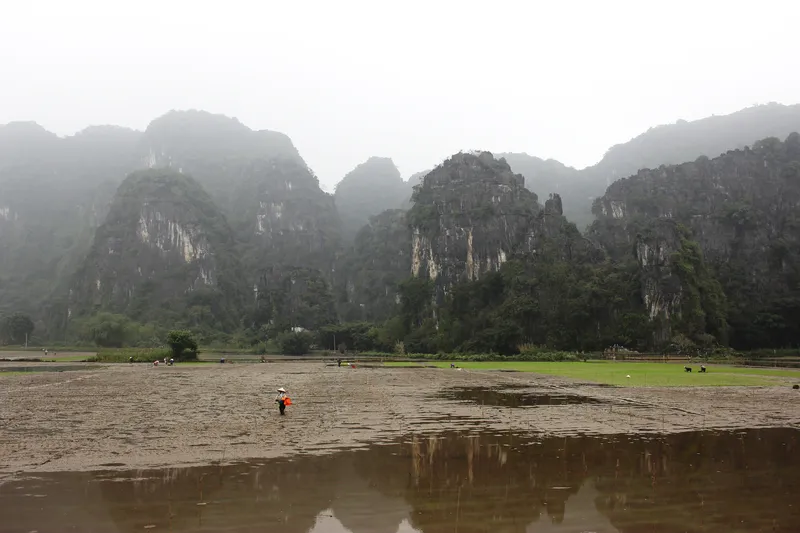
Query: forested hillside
{"points": [[225, 230], [662, 145]]}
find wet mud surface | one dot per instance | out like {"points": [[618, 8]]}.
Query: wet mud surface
{"points": [[139, 416], [518, 396], [701, 481]]}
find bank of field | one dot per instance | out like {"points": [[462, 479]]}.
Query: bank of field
{"points": [[641, 374]]}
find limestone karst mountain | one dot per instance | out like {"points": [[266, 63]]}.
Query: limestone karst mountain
{"points": [[164, 253]]}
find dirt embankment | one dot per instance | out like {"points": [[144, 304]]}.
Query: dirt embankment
{"points": [[131, 416]]}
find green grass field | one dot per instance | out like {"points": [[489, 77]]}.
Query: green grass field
{"points": [[641, 374]]}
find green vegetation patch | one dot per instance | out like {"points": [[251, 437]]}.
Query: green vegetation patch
{"points": [[641, 374]]}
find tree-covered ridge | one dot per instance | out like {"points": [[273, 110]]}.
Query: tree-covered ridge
{"points": [[283, 218], [369, 189], [662, 145], [741, 210], [165, 254], [292, 297]]}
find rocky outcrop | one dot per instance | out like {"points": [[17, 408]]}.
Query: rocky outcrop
{"points": [[369, 189], [164, 249], [742, 211], [472, 214]]}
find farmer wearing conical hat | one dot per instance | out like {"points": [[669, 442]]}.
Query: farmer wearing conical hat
{"points": [[282, 399]]}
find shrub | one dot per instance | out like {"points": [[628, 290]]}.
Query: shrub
{"points": [[182, 344], [295, 342]]}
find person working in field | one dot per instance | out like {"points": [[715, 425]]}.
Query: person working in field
{"points": [[283, 400]]}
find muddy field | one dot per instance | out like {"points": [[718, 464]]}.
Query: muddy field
{"points": [[136, 416]]}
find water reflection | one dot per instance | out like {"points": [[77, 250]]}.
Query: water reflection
{"points": [[695, 482], [515, 398]]}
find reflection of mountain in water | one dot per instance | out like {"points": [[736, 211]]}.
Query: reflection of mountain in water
{"points": [[695, 482]]}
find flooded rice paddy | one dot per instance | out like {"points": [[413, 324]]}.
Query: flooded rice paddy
{"points": [[124, 448], [703, 481]]}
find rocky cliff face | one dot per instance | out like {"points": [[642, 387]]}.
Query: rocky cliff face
{"points": [[472, 214], [742, 211], [278, 212], [165, 252], [371, 188]]}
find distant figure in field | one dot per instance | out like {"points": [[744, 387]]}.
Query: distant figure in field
{"points": [[339, 362], [283, 400], [130, 359], [702, 369], [687, 369]]}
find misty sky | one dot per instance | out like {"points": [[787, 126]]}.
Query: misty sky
{"points": [[412, 80]]}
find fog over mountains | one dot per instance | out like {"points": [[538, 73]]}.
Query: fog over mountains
{"points": [[203, 222]]}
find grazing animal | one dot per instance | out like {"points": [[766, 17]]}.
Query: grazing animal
{"points": [[702, 369], [687, 369]]}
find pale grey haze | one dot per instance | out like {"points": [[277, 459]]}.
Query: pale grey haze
{"points": [[412, 80]]}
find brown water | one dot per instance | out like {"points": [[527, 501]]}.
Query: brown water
{"points": [[510, 397], [690, 482]]}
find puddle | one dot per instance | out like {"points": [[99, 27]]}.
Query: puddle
{"points": [[510, 397], [44, 368], [690, 482]]}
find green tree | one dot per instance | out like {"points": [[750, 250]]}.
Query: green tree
{"points": [[182, 344], [106, 329], [295, 342], [16, 328]]}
